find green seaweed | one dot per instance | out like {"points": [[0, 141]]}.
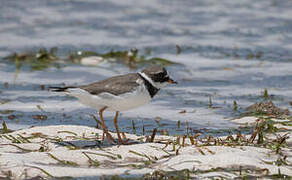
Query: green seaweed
{"points": [[40, 60], [63, 162], [8, 111], [210, 102], [235, 106], [46, 58], [92, 162], [4, 129]]}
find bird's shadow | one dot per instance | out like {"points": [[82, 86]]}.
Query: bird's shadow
{"points": [[84, 144]]}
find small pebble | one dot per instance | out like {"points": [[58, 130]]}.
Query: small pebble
{"points": [[157, 118], [183, 111], [43, 87], [39, 117], [11, 117]]}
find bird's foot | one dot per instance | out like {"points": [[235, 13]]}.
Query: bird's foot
{"points": [[123, 142], [109, 137]]}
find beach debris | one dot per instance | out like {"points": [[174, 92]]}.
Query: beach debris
{"points": [[182, 111], [37, 60], [4, 128], [235, 107], [266, 94], [210, 102], [266, 108], [39, 117], [178, 49], [11, 117], [46, 58], [91, 60], [7, 111], [6, 84], [43, 87], [40, 108]]}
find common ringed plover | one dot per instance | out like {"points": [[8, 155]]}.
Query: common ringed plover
{"points": [[120, 93]]}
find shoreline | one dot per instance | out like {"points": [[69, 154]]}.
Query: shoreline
{"points": [[79, 152]]}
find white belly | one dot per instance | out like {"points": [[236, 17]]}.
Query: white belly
{"points": [[122, 102]]}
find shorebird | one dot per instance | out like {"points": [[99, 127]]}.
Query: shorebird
{"points": [[120, 93]]}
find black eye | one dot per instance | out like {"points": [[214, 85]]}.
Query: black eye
{"points": [[165, 79]]}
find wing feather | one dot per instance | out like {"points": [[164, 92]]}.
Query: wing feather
{"points": [[114, 85]]}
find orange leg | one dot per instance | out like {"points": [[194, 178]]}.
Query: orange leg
{"points": [[105, 131], [117, 129]]}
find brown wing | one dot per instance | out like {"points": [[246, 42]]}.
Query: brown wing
{"points": [[115, 85]]}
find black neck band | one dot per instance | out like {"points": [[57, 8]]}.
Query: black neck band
{"points": [[151, 89]]}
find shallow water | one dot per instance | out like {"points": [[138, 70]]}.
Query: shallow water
{"points": [[230, 51]]}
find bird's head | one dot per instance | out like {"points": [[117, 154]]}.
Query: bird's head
{"points": [[158, 76]]}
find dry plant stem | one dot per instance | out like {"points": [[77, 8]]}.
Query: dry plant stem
{"points": [[105, 131], [153, 135]]}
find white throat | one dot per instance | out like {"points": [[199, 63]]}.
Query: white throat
{"points": [[148, 79]]}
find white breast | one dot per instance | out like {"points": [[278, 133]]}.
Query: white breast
{"points": [[123, 102]]}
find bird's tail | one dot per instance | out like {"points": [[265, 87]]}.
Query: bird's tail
{"points": [[60, 89]]}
